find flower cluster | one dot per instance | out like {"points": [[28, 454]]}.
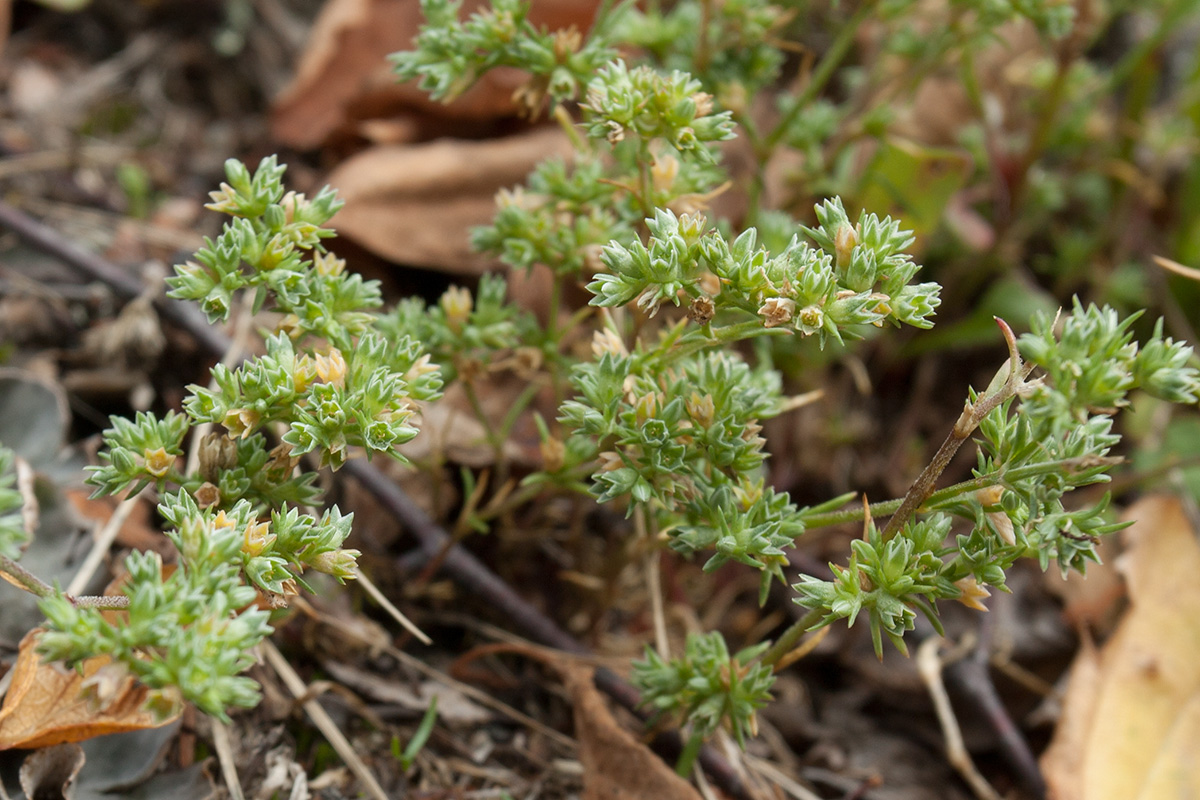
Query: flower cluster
{"points": [[858, 275], [263, 248], [707, 686], [465, 334], [561, 218], [450, 55], [644, 103], [1053, 437], [732, 41], [189, 635], [329, 401], [335, 376]]}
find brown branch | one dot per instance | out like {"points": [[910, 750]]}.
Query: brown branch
{"points": [[467, 570], [1003, 387], [22, 578]]}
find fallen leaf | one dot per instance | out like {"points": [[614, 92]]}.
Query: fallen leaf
{"points": [[616, 766], [50, 773], [344, 77], [45, 704], [1131, 718], [416, 205]]}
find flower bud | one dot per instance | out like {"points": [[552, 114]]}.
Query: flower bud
{"points": [[257, 538], [701, 409], [973, 594], [241, 422], [810, 319], [663, 173], [328, 264], [457, 304], [606, 341], [341, 564], [207, 495], [646, 407], [554, 454], [702, 310], [217, 452], [331, 368]]}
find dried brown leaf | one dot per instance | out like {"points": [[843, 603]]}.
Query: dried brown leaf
{"points": [[416, 205], [46, 704], [616, 766], [1131, 719], [344, 76]]}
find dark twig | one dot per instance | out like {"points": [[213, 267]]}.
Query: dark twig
{"points": [[1003, 387], [48, 240], [467, 570], [971, 676]]}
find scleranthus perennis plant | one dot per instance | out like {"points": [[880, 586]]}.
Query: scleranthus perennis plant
{"points": [[666, 415], [662, 416], [332, 379]]}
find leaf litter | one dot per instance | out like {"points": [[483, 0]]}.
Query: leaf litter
{"points": [[1131, 716]]}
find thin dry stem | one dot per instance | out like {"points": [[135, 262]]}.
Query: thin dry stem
{"points": [[929, 665], [396, 614], [101, 544], [644, 523], [973, 413], [224, 748], [805, 647], [232, 355], [322, 720]]}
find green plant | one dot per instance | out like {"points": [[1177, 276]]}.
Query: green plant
{"points": [[667, 417], [690, 317], [329, 381]]}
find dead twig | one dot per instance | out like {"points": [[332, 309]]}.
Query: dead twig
{"points": [[320, 717], [929, 665], [972, 677], [224, 748]]}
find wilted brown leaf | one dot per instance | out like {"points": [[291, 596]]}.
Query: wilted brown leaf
{"points": [[416, 205], [616, 766], [344, 77], [1131, 721], [45, 704]]}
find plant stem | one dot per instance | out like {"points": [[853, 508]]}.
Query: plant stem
{"points": [[935, 499], [973, 413], [468, 570], [23, 578], [647, 533], [823, 72], [17, 575], [489, 430], [726, 334], [788, 639], [687, 759]]}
